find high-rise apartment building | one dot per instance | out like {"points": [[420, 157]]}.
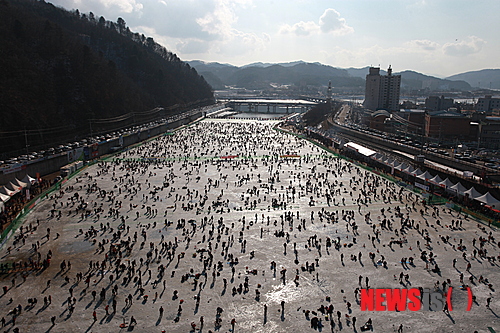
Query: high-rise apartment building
{"points": [[382, 91]]}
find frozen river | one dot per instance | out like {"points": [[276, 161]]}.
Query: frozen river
{"points": [[231, 219]]}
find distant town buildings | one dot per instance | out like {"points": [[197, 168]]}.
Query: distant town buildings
{"points": [[377, 120], [436, 103], [447, 124], [382, 91], [488, 103], [489, 132], [439, 120]]}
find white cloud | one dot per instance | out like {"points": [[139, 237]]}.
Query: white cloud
{"points": [[192, 46], [300, 29], [118, 6], [125, 6], [202, 28], [423, 44], [329, 22], [242, 43], [219, 21], [419, 4], [465, 47]]}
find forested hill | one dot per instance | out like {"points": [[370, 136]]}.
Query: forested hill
{"points": [[61, 68]]}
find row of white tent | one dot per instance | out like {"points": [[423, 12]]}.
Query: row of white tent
{"points": [[447, 184], [14, 187]]}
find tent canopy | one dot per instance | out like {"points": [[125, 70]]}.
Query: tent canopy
{"points": [[472, 193], [417, 172], [488, 199], [459, 188], [409, 170], [446, 183], [4, 197], [360, 149], [402, 166], [425, 176], [436, 180], [397, 165], [6, 191], [19, 183], [29, 180]]}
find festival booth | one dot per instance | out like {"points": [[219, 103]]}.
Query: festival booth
{"points": [[472, 193], [401, 167], [409, 170], [488, 200], [378, 157], [424, 176], [436, 180], [458, 188], [417, 172], [29, 180], [447, 183], [14, 187], [6, 191], [360, 150]]}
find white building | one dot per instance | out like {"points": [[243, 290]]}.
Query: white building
{"points": [[382, 91]]}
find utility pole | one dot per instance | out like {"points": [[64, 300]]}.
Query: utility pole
{"points": [[26, 140]]}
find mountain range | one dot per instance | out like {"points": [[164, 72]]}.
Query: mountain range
{"points": [[485, 78], [261, 75]]}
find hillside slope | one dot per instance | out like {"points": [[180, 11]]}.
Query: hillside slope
{"points": [[485, 78], [61, 68]]}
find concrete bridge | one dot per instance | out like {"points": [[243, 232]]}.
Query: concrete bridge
{"points": [[270, 105]]}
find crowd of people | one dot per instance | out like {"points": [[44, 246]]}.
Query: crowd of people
{"points": [[232, 225]]}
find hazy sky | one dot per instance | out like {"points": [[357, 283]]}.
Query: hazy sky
{"points": [[436, 37]]}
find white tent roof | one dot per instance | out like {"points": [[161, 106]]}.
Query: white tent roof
{"points": [[402, 166], [446, 183], [360, 149], [417, 172], [12, 187], [20, 183], [4, 197], [16, 182], [29, 180], [473, 193], [425, 176], [458, 187], [409, 169], [488, 199], [6, 191], [436, 180]]}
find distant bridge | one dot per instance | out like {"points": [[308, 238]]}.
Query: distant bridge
{"points": [[270, 105]]}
